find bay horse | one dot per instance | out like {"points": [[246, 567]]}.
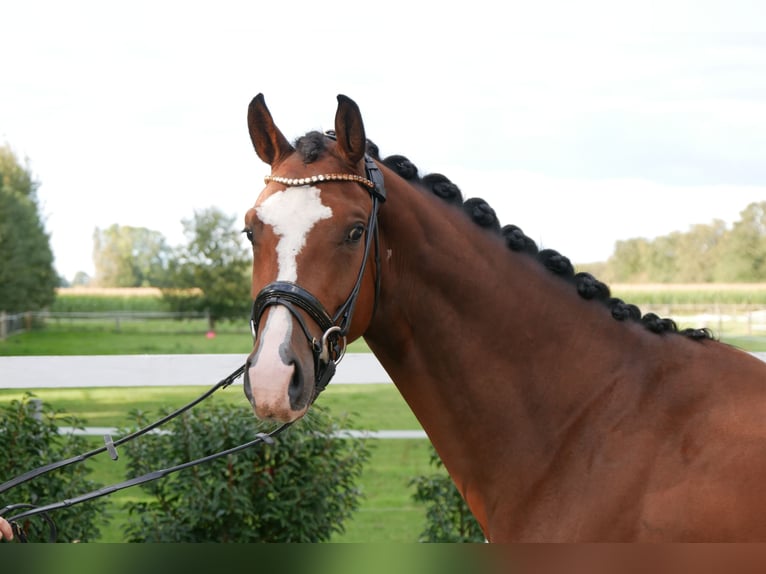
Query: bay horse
{"points": [[560, 412]]}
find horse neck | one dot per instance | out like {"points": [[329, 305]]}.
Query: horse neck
{"points": [[488, 348]]}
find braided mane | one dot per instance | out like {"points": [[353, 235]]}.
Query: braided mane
{"points": [[588, 287]]}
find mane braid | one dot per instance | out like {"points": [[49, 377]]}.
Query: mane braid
{"points": [[480, 212]]}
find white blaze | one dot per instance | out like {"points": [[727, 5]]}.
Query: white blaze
{"points": [[292, 213]]}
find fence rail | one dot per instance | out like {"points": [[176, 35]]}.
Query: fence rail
{"points": [[154, 370], [171, 370], [740, 319], [160, 370], [21, 322]]}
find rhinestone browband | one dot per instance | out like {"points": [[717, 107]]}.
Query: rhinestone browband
{"points": [[292, 182]]}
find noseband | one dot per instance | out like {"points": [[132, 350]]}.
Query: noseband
{"points": [[330, 349]]}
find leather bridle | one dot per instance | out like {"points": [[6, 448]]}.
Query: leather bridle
{"points": [[330, 348]]}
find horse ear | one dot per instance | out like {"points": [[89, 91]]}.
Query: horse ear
{"points": [[269, 143], [349, 130]]}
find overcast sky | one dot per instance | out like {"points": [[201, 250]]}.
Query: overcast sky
{"points": [[582, 122]]}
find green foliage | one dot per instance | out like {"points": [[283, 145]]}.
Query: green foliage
{"points": [[705, 253], [743, 256], [27, 277], [216, 264], [30, 440], [301, 489], [126, 256], [448, 518]]}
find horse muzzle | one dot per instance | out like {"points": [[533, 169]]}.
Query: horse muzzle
{"points": [[279, 378]]}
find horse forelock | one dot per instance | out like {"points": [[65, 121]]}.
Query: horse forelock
{"points": [[311, 146]]}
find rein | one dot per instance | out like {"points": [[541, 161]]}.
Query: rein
{"points": [[110, 446], [328, 351]]}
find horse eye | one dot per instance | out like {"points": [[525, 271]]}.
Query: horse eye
{"points": [[249, 234], [356, 233]]}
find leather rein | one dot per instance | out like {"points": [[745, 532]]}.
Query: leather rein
{"points": [[30, 510]]}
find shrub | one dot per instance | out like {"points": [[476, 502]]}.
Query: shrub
{"points": [[30, 439], [448, 518], [301, 489]]}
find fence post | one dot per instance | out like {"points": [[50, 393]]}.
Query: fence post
{"points": [[37, 409], [3, 326]]}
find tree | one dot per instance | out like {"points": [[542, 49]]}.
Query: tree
{"points": [[663, 257], [629, 261], [743, 253], [27, 277], [126, 256], [81, 279], [212, 272], [698, 251], [705, 253]]}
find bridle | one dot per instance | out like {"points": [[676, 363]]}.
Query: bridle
{"points": [[330, 348], [30, 510]]}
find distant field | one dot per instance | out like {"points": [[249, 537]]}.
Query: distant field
{"points": [[710, 294], [149, 298], [89, 299]]}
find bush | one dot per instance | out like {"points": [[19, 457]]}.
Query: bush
{"points": [[301, 489], [30, 439], [448, 518]]}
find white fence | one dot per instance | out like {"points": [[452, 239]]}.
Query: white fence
{"points": [[154, 370], [172, 370], [160, 370], [169, 370]]}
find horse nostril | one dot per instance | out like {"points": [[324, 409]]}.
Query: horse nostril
{"points": [[295, 390], [246, 385]]}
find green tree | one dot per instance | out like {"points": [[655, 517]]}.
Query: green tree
{"points": [[705, 253], [212, 272], [743, 252], [629, 261], [126, 256], [663, 257], [81, 279], [698, 251], [27, 277]]}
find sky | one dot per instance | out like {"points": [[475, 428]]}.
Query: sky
{"points": [[582, 122]]}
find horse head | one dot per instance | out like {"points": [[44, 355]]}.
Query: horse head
{"points": [[312, 229]]}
